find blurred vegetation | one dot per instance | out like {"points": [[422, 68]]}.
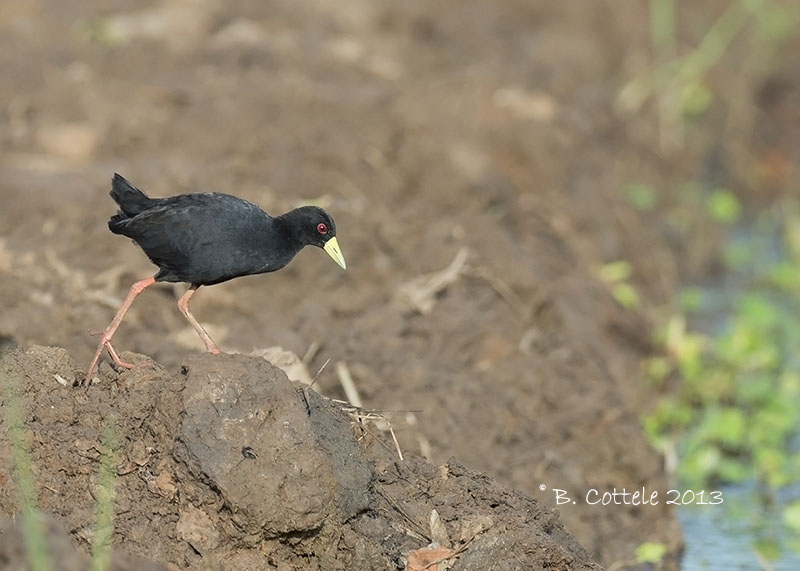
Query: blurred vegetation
{"points": [[728, 364], [616, 275], [679, 82], [650, 552]]}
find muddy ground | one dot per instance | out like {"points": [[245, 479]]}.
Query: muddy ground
{"points": [[474, 133]]}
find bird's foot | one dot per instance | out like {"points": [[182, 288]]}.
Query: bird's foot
{"points": [[105, 343], [117, 361]]}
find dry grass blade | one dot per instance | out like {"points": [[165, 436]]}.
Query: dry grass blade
{"points": [[438, 529], [311, 352], [419, 532], [419, 294], [348, 385], [381, 423], [319, 372]]}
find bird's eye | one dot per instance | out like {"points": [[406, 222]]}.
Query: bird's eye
{"points": [[322, 228]]}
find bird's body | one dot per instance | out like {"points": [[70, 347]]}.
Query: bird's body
{"points": [[209, 238], [206, 238]]}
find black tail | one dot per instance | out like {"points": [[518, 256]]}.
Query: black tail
{"points": [[131, 202]]}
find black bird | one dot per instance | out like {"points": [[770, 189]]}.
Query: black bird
{"points": [[208, 238]]}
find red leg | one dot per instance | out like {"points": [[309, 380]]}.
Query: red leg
{"points": [[111, 351], [183, 305], [108, 332]]}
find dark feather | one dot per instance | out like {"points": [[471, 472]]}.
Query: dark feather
{"points": [[208, 238]]}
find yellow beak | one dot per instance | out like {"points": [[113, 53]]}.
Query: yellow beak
{"points": [[332, 247]]}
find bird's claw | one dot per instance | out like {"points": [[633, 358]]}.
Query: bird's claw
{"points": [[118, 363]]}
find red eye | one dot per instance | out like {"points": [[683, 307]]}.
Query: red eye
{"points": [[322, 228]]}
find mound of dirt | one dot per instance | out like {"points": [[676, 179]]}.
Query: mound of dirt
{"points": [[226, 464]]}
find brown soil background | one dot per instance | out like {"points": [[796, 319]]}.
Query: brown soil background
{"points": [[425, 128]]}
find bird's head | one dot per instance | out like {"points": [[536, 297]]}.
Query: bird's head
{"points": [[315, 227]]}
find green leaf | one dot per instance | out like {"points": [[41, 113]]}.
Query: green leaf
{"points": [[690, 357], [770, 549], [723, 206], [614, 272], [789, 384], [759, 311], [642, 197], [696, 98], [791, 516], [772, 465], [626, 295], [650, 552], [729, 426], [734, 471], [657, 368], [700, 465], [756, 390], [785, 275]]}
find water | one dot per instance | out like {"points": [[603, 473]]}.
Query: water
{"points": [[724, 537]]}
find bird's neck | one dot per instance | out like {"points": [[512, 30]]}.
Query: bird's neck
{"points": [[286, 234], [288, 228]]}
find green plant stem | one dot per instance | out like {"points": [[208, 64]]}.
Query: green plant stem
{"points": [[662, 28], [106, 494], [675, 72], [714, 43], [32, 525]]}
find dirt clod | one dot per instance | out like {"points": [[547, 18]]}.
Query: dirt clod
{"points": [[235, 471]]}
